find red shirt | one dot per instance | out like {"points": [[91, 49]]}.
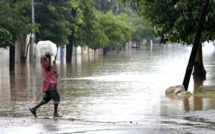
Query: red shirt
{"points": [[49, 79]]}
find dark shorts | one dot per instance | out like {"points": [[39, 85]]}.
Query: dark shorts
{"points": [[52, 95]]}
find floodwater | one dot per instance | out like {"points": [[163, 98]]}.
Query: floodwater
{"points": [[125, 87]]}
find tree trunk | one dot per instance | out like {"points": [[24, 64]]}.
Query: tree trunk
{"points": [[117, 48], [23, 46], [69, 47], [94, 53], [199, 70], [12, 59], [69, 53], [105, 51], [195, 44]]}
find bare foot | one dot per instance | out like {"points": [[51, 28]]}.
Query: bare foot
{"points": [[33, 112], [57, 115]]}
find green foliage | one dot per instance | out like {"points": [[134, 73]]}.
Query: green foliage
{"points": [[178, 19], [142, 30], [5, 37], [53, 21], [14, 21], [89, 32], [117, 28], [103, 5], [57, 19]]}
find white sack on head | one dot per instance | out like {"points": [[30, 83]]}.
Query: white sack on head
{"points": [[46, 47]]}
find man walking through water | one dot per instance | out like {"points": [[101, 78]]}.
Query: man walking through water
{"points": [[49, 86]]}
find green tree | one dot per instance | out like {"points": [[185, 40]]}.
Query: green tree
{"points": [[89, 32], [85, 27], [74, 16], [118, 28], [51, 16], [14, 24], [178, 19], [142, 30], [57, 22], [5, 37]]}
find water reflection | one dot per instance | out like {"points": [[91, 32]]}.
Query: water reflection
{"points": [[118, 87]]}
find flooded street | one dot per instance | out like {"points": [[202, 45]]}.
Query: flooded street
{"points": [[119, 94]]}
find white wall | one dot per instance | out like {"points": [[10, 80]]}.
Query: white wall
{"points": [[4, 66]]}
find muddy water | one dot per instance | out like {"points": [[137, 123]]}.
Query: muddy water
{"points": [[129, 86]]}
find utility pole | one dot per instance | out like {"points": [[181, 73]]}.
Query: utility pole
{"points": [[32, 34], [196, 44], [105, 48]]}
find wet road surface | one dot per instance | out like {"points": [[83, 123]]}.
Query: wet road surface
{"points": [[118, 93]]}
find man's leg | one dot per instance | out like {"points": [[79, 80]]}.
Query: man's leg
{"points": [[33, 109], [56, 98], [45, 100], [56, 114]]}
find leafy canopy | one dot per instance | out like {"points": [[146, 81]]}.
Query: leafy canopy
{"points": [[177, 18], [15, 21], [53, 21], [117, 28]]}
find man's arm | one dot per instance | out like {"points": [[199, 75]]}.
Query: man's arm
{"points": [[48, 67], [56, 75]]}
